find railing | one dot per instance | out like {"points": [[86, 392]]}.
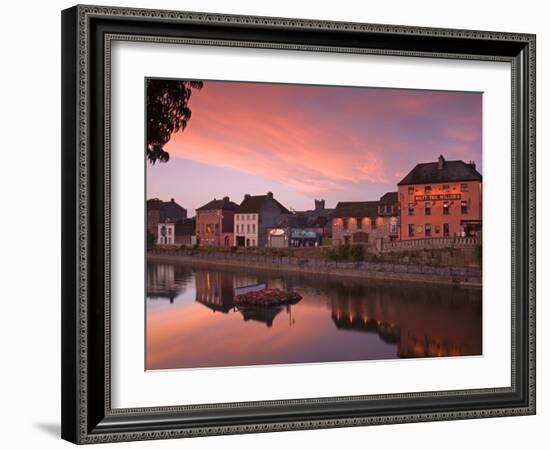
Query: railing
{"points": [[420, 244]]}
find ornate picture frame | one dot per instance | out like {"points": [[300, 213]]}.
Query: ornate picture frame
{"points": [[87, 35]]}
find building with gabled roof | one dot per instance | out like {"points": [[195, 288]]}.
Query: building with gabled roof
{"points": [[215, 223], [159, 211], [441, 199], [366, 222], [254, 216]]}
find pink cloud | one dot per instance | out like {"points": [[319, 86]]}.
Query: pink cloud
{"points": [[316, 139], [262, 136]]}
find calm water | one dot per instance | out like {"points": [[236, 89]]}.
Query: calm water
{"points": [[191, 320]]}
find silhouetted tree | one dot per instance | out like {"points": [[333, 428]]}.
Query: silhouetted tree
{"points": [[167, 113]]}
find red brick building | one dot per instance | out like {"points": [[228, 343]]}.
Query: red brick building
{"points": [[215, 223], [441, 199]]}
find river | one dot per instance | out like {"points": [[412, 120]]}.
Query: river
{"points": [[191, 321]]}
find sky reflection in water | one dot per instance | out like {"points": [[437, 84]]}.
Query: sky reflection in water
{"points": [[191, 320]]}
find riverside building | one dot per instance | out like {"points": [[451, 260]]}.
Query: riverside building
{"points": [[440, 199]]}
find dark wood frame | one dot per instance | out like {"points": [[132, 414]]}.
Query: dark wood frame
{"points": [[87, 416]]}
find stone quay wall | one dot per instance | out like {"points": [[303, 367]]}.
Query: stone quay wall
{"points": [[451, 275]]}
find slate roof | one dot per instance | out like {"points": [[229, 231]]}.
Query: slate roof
{"points": [[389, 198], [451, 171], [168, 211], [154, 203], [254, 204], [356, 209], [224, 204]]}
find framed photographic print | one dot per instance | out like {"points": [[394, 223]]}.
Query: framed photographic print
{"points": [[281, 224]]}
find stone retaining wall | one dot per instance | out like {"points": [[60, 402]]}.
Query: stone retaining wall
{"points": [[466, 276]]}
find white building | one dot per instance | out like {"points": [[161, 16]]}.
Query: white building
{"points": [[254, 216], [166, 233]]}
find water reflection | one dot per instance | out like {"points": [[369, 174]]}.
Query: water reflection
{"points": [[337, 319]]}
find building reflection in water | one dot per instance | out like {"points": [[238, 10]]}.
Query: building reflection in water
{"points": [[215, 290], [350, 319], [167, 281], [422, 322]]}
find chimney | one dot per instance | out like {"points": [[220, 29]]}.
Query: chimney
{"points": [[270, 194], [246, 196], [440, 162], [226, 199], [473, 164], [172, 200], [319, 204]]}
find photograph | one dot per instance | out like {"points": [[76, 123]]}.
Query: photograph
{"points": [[276, 220], [301, 223]]}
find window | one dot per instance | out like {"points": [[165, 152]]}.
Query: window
{"points": [[427, 190], [411, 190], [411, 209], [464, 187], [445, 188], [446, 208], [428, 209], [411, 230], [253, 228], [393, 228], [359, 223], [169, 230], [345, 224], [248, 228], [373, 223], [446, 229], [464, 207], [428, 229]]}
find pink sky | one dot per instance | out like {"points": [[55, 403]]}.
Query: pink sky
{"points": [[310, 142]]}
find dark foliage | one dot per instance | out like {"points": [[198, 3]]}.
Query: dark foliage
{"points": [[356, 252], [167, 113], [345, 252]]}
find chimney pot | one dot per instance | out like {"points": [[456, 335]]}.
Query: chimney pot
{"points": [[270, 194], [172, 200], [226, 199], [440, 162]]}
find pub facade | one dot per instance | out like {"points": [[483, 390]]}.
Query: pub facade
{"points": [[441, 199]]}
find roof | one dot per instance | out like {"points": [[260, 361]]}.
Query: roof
{"points": [[292, 221], [389, 198], [154, 203], [224, 203], [356, 209], [450, 171], [168, 211], [254, 204]]}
